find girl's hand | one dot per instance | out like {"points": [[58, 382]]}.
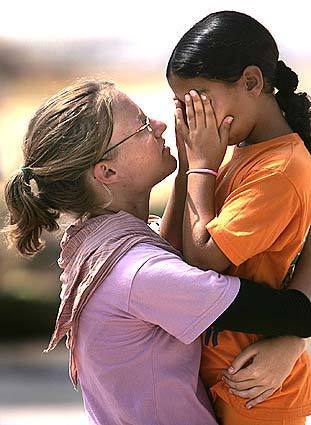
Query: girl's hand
{"points": [[205, 144], [262, 368], [180, 142]]}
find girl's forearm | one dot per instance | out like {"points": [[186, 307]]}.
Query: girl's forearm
{"points": [[199, 210], [172, 222]]}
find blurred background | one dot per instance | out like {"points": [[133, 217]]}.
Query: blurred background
{"points": [[43, 47]]}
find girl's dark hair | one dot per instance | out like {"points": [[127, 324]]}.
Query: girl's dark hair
{"points": [[223, 44], [67, 135]]}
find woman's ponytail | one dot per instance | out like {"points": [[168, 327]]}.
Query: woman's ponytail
{"points": [[29, 215]]}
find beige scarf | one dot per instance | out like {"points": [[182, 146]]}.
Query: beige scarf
{"points": [[90, 250]]}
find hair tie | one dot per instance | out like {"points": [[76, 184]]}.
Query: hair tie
{"points": [[27, 173], [286, 80]]}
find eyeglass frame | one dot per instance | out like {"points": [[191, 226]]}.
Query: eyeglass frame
{"points": [[142, 128]]}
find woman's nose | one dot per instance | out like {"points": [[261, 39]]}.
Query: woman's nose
{"points": [[158, 127]]}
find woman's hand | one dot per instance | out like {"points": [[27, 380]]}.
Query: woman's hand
{"points": [[205, 144], [262, 368]]}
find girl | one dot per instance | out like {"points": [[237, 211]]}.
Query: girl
{"points": [[261, 214], [133, 311]]}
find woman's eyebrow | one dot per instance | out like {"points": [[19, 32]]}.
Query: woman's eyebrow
{"points": [[142, 116]]}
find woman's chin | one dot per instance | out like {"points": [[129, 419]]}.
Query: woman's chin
{"points": [[173, 164], [169, 167]]}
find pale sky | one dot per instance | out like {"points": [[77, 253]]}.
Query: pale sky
{"points": [[151, 30], [151, 27]]}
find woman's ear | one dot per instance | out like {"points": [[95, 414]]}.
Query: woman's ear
{"points": [[105, 173], [253, 80]]}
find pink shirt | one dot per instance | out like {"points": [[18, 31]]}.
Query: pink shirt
{"points": [[139, 346]]}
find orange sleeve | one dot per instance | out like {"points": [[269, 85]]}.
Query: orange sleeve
{"points": [[254, 215]]}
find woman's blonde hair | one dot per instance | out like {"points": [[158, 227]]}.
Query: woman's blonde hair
{"points": [[67, 135]]}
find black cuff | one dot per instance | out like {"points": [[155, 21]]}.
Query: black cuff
{"points": [[263, 310]]}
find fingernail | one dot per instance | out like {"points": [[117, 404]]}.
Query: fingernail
{"points": [[193, 92], [249, 406], [187, 97], [203, 97], [229, 120], [231, 369]]}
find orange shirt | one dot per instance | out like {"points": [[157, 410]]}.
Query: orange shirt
{"points": [[263, 204]]}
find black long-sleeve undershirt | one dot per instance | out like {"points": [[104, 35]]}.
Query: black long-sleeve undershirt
{"points": [[263, 310]]}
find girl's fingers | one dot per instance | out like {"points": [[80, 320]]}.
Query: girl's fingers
{"points": [[248, 393], [182, 106], [238, 377], [180, 126], [198, 109], [209, 113], [224, 130], [178, 103], [210, 119], [243, 385], [241, 361], [259, 399], [245, 374], [190, 112]]}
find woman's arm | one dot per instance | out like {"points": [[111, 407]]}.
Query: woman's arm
{"points": [[267, 311], [301, 279]]}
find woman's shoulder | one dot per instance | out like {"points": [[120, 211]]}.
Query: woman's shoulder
{"points": [[140, 254], [114, 291]]}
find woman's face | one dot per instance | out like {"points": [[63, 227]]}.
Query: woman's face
{"points": [[142, 160], [227, 99]]}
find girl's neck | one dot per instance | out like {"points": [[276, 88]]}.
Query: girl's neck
{"points": [[271, 123]]}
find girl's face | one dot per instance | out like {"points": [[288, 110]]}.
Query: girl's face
{"points": [[226, 98], [142, 160]]}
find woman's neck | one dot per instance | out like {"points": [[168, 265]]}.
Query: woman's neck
{"points": [[137, 205]]}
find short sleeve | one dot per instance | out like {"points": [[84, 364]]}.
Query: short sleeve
{"points": [[254, 215], [182, 300]]}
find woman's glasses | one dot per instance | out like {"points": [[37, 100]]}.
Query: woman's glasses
{"points": [[145, 125]]}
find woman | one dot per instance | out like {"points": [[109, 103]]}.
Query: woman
{"points": [[132, 309]]}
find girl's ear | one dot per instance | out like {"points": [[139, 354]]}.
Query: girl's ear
{"points": [[253, 80], [105, 173]]}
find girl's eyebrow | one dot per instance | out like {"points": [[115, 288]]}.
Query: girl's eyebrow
{"points": [[202, 90], [180, 100]]}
